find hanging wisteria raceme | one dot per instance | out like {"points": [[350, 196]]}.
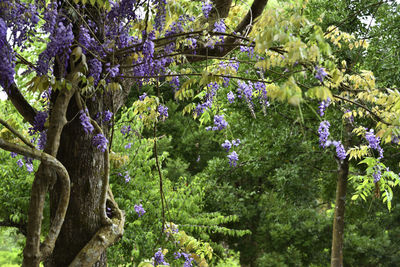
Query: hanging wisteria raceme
{"points": [[323, 106], [85, 122], [206, 7], [59, 45], [320, 73], [100, 141], [374, 142], [208, 99]]}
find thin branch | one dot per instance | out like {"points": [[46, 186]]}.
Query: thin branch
{"points": [[20, 103], [363, 107], [16, 133]]}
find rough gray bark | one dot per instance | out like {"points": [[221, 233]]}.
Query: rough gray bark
{"points": [[85, 165]]}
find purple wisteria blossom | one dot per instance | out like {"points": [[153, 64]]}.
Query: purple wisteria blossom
{"points": [[95, 69], [142, 97], [233, 158], [219, 26], [42, 140], [159, 258], [374, 142], [320, 75], [323, 106], [112, 71], [162, 112], [231, 97], [60, 43], [236, 142], [38, 125], [377, 173], [127, 177], [85, 122], [107, 115], [208, 99], [219, 123], [20, 163], [188, 258], [340, 151], [127, 146], [227, 145], [139, 210], [126, 129], [100, 141], [29, 167], [323, 132], [206, 7]]}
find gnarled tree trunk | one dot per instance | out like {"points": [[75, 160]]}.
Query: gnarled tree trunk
{"points": [[85, 164]]}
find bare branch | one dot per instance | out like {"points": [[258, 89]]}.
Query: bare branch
{"points": [[105, 237], [20, 103], [32, 253], [16, 133], [256, 9]]}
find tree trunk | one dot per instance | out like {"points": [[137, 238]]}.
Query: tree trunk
{"points": [[85, 164], [338, 220]]}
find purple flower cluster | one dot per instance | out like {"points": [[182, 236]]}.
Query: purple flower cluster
{"points": [[248, 49], [127, 177], [126, 129], [323, 132], [374, 142], [219, 26], [377, 173], [320, 75], [228, 145], [139, 210], [85, 122], [112, 71], [158, 258], [29, 163], [219, 123], [323, 106], [246, 90], [175, 83], [159, 20], [38, 125], [142, 97], [60, 42], [188, 258], [340, 151], [42, 140], [233, 158], [7, 57], [100, 141], [231, 97], [209, 98], [107, 115], [124, 9], [95, 68], [206, 7], [162, 112], [148, 49], [262, 93], [50, 17], [20, 18]]}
